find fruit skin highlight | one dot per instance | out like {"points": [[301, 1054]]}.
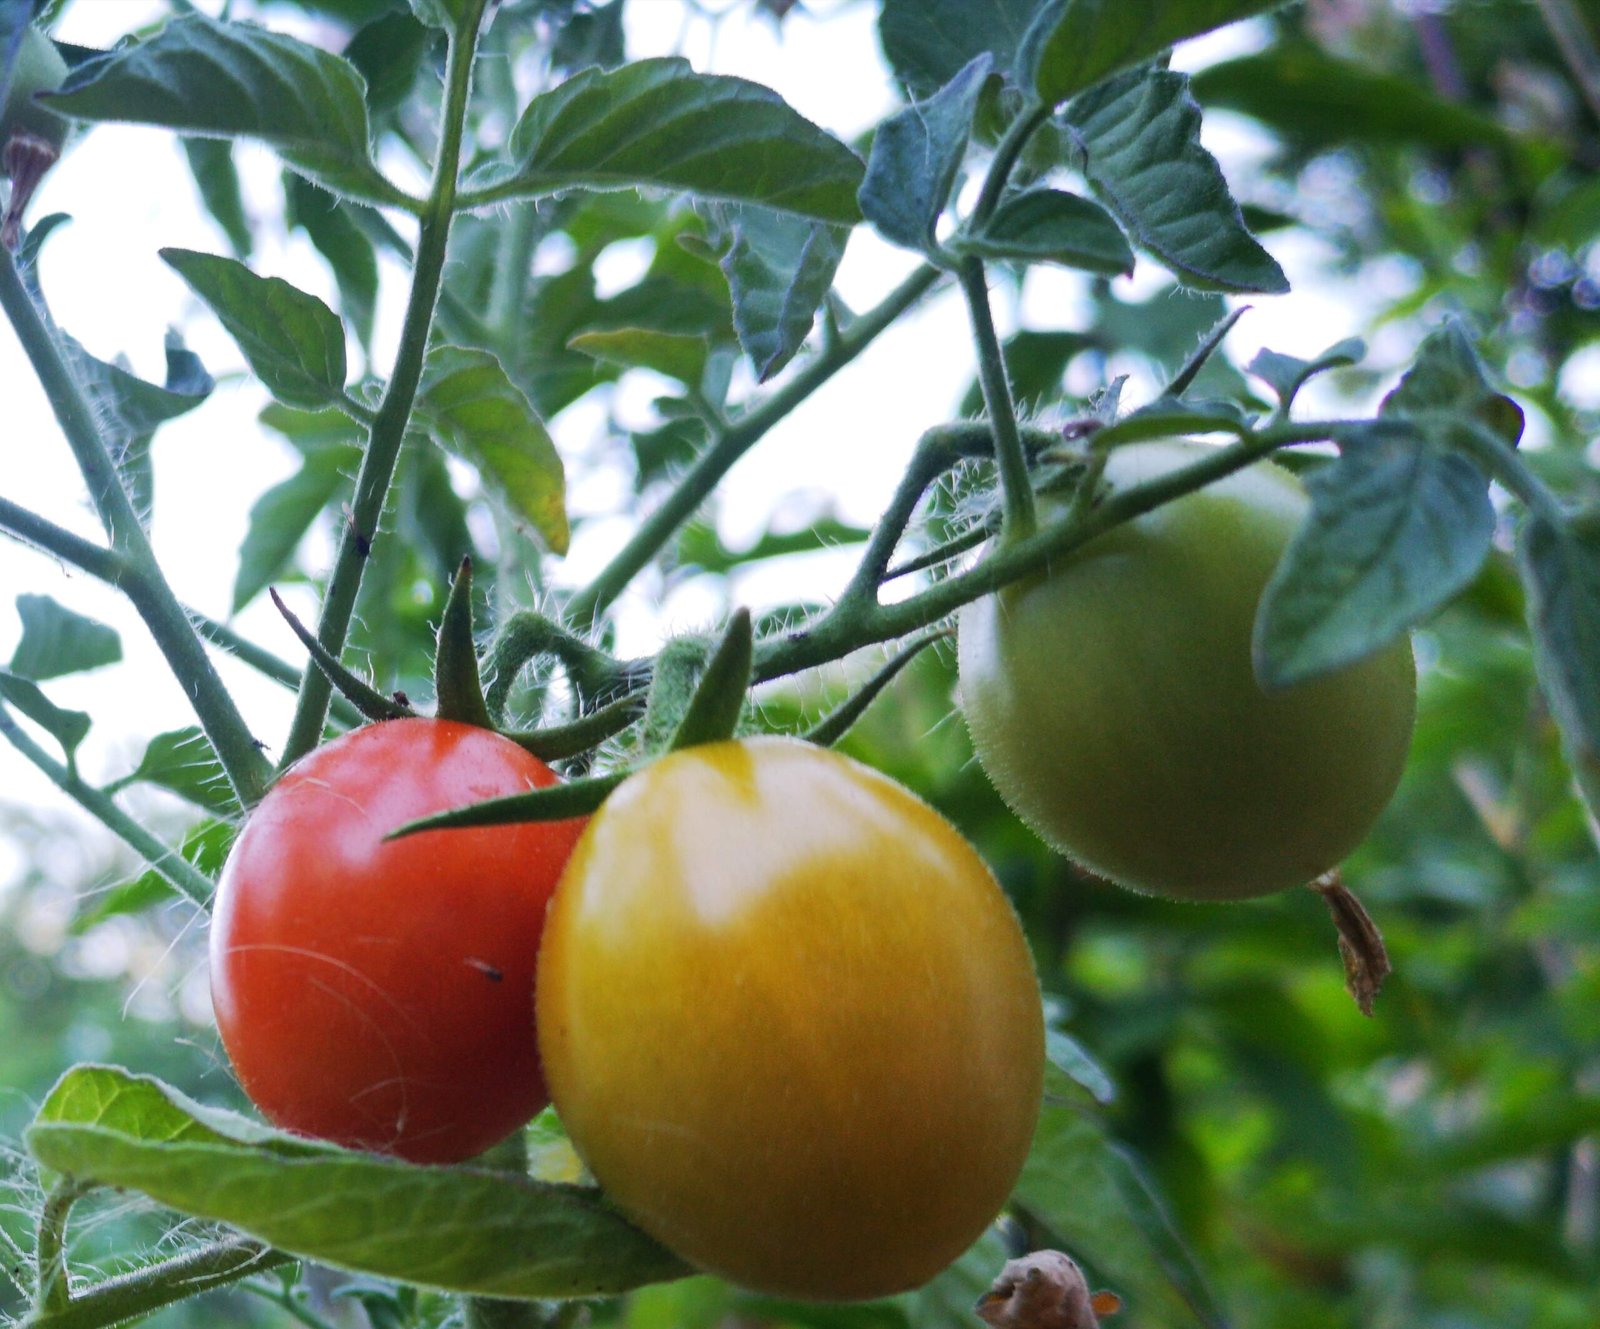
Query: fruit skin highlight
{"points": [[379, 993], [790, 1021], [1113, 703]]}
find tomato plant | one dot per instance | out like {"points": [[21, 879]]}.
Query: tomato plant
{"points": [[379, 993], [1113, 702], [790, 1021]]}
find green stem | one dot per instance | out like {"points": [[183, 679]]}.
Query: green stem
{"points": [[838, 634], [183, 876], [1505, 464], [738, 439], [110, 567], [286, 1301], [1016, 490], [394, 414], [51, 1290], [141, 1291], [1005, 158], [932, 456], [141, 579]]}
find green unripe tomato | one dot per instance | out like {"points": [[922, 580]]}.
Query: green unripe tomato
{"points": [[1113, 703], [39, 68]]}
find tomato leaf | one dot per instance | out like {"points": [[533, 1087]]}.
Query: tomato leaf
{"points": [[1074, 45], [1397, 526], [928, 42], [1560, 567], [205, 847], [473, 409], [280, 518], [915, 156], [779, 267], [184, 762], [56, 641], [658, 123], [330, 226], [68, 728], [217, 178], [1309, 94], [1139, 137], [1089, 1193], [677, 355], [294, 342], [1166, 417], [1053, 226], [130, 410], [214, 79], [1287, 374], [456, 1228]]}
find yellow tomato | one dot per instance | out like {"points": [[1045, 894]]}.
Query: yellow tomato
{"points": [[790, 1020], [1113, 703]]}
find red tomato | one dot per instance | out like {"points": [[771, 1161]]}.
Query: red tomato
{"points": [[380, 994]]}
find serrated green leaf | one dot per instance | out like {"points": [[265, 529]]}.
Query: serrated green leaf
{"points": [[211, 79], [1397, 526], [217, 179], [675, 355], [1313, 95], [1139, 137], [1560, 567], [68, 728], [205, 847], [56, 641], [1074, 45], [388, 53], [915, 156], [779, 267], [130, 410], [294, 342], [1074, 1061], [928, 42], [1053, 226], [457, 1228], [348, 250], [659, 123], [1089, 1194], [1169, 416], [184, 762], [1448, 379], [473, 409], [280, 518], [1287, 374]]}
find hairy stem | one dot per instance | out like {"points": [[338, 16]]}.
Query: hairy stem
{"points": [[140, 579], [394, 414], [848, 628], [739, 437], [1016, 489], [141, 1291], [185, 878], [110, 567], [1005, 159], [51, 1290]]}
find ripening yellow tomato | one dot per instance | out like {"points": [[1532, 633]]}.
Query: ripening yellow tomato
{"points": [[790, 1020], [1113, 703]]}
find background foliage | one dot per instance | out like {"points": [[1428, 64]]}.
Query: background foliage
{"points": [[1436, 1166]]}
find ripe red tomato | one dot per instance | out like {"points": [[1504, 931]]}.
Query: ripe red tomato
{"points": [[1113, 703], [790, 1020], [379, 994]]}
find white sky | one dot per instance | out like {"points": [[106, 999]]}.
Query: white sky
{"points": [[130, 194]]}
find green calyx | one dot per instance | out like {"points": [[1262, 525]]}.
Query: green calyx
{"points": [[38, 68]]}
